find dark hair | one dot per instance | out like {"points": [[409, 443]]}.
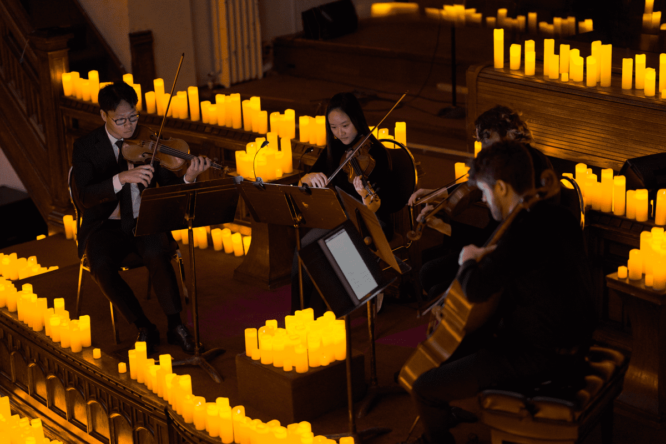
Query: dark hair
{"points": [[508, 161], [347, 103], [504, 121], [111, 95]]}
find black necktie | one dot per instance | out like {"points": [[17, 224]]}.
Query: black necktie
{"points": [[127, 222]]}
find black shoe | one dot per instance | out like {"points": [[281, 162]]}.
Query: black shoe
{"points": [[151, 336], [181, 336]]}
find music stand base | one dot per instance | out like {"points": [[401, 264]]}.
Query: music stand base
{"points": [[375, 392], [202, 361], [452, 112], [363, 435]]}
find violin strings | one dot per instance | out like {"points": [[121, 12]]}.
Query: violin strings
{"points": [[176, 153]]}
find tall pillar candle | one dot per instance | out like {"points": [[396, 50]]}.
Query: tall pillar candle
{"points": [[605, 67], [619, 195], [591, 71], [641, 205], [577, 69], [660, 212], [627, 73], [564, 58], [631, 205], [662, 72], [304, 129], [530, 63], [548, 51], [606, 190], [649, 87], [193, 95], [141, 355], [499, 48], [554, 67], [514, 56], [93, 82], [596, 53], [640, 71]]}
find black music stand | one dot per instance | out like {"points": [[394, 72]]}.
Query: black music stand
{"points": [[367, 224], [175, 208], [339, 264], [298, 207]]}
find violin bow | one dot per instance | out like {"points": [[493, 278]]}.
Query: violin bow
{"points": [[166, 111], [358, 147]]}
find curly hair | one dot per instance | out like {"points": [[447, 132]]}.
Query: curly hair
{"points": [[505, 122]]}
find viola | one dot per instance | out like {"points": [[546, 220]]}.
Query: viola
{"points": [[171, 152], [361, 165]]}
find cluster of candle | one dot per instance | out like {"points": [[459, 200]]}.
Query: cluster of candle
{"points": [[303, 343], [17, 430], [55, 322], [651, 19], [222, 239], [70, 225], [648, 261], [457, 14], [610, 195], [14, 268], [266, 162], [217, 418], [393, 8]]}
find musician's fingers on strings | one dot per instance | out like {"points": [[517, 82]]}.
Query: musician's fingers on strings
{"points": [[424, 213]]}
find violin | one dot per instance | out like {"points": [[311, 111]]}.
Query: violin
{"points": [[361, 165], [171, 153], [453, 204]]}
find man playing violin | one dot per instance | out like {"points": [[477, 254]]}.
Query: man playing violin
{"points": [[109, 190], [345, 126], [499, 123], [539, 268]]}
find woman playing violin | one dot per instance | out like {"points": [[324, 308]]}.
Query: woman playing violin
{"points": [[345, 126]]}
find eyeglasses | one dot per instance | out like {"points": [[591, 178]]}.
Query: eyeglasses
{"points": [[123, 120]]}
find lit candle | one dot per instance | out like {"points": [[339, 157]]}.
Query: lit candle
{"points": [[564, 58], [304, 129], [649, 4], [84, 326], [128, 78], [605, 67], [216, 234], [202, 237], [649, 280], [662, 72], [137, 89], [184, 389], [607, 190], [193, 95], [266, 348], [641, 205], [248, 115], [212, 420], [226, 425], [577, 69], [591, 71], [314, 350], [74, 76], [67, 84], [97, 353], [619, 195], [67, 222], [640, 71], [622, 272], [554, 67], [278, 351], [532, 22], [200, 413], [499, 48], [221, 109], [287, 164], [300, 359], [188, 408], [649, 86], [631, 204], [548, 52], [660, 213], [627, 73], [238, 416], [141, 355], [461, 171], [635, 265], [85, 90], [401, 132], [514, 56], [132, 363], [237, 244], [227, 241], [55, 328], [477, 147], [150, 103], [596, 53], [75, 337]]}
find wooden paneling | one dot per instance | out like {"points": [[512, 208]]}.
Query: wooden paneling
{"points": [[598, 126]]}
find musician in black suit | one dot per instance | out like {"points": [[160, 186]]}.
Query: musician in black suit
{"points": [[539, 267], [109, 189]]}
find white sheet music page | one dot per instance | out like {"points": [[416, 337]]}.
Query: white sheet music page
{"points": [[351, 263]]}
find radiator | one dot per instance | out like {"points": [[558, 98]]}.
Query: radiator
{"points": [[237, 40]]}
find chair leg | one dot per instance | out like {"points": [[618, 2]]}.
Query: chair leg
{"points": [[78, 291], [150, 285], [116, 336], [183, 282]]}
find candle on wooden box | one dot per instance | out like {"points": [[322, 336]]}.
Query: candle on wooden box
{"points": [[184, 389], [212, 420], [641, 205], [67, 84], [74, 76], [237, 244], [605, 67], [649, 280], [650, 79], [548, 51], [216, 235], [530, 63], [320, 133], [278, 351], [226, 425], [619, 195], [97, 353], [591, 71], [287, 164], [140, 359], [514, 56], [622, 272], [635, 265], [237, 416], [202, 237], [660, 212], [193, 95], [128, 78], [132, 363], [67, 222], [659, 275], [84, 327], [554, 67], [227, 241], [631, 204], [151, 107], [577, 69], [75, 337], [596, 53], [564, 58], [607, 190], [640, 71], [188, 408], [300, 359], [304, 129], [627, 73], [662, 72], [499, 48], [199, 413]]}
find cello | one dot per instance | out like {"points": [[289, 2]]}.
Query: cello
{"points": [[452, 315]]}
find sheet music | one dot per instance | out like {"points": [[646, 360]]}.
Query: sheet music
{"points": [[351, 263]]}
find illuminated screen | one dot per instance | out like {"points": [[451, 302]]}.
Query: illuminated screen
{"points": [[351, 264]]}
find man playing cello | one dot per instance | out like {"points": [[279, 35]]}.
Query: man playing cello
{"points": [[539, 269]]}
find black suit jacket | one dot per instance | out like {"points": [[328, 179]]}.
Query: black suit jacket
{"points": [[94, 165]]}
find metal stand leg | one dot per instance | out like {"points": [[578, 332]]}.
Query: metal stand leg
{"points": [[374, 391], [200, 359], [453, 111], [300, 265]]}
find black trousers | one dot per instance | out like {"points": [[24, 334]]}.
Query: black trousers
{"points": [[109, 246], [474, 367]]}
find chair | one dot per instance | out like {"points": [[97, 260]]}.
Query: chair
{"points": [[131, 262], [536, 415]]}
